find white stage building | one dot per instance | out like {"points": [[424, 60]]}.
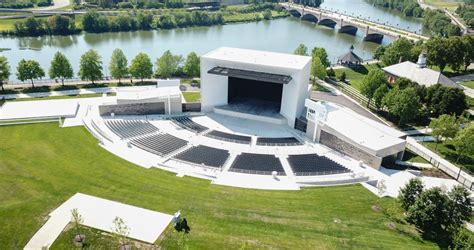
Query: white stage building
{"points": [[252, 84]]}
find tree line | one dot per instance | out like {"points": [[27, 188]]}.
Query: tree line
{"points": [[455, 52], [408, 7], [14, 4], [466, 12], [95, 22], [91, 67]]}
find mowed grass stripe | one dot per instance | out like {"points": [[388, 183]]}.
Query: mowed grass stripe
{"points": [[42, 165]]}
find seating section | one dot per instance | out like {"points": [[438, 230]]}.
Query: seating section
{"points": [[313, 164], [186, 123], [257, 164], [160, 144], [283, 141], [223, 136], [208, 156], [130, 128]]}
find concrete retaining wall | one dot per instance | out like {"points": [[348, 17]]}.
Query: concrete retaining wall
{"points": [[153, 108]]}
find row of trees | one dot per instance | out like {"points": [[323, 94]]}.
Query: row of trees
{"points": [[15, 4], [466, 12], [139, 4], [407, 101], [90, 67], [438, 214], [408, 7], [54, 25], [456, 52]]}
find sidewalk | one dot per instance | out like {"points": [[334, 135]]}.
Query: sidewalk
{"points": [[61, 93]]}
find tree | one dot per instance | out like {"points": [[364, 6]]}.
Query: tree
{"points": [[141, 66], [468, 57], [267, 14], [410, 192], [77, 220], [459, 208], [29, 70], [301, 50], [168, 64], [437, 53], [317, 69], [60, 67], [379, 51], [120, 231], [4, 71], [60, 25], [331, 73], [372, 82], [429, 212], [457, 50], [403, 83], [90, 66], [462, 239], [342, 77], [403, 104], [464, 142], [192, 65], [444, 126], [322, 55], [379, 94], [118, 65], [398, 51], [445, 100]]}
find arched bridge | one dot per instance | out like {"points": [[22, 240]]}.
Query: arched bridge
{"points": [[372, 32]]}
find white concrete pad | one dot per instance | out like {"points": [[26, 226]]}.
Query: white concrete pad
{"points": [[145, 225], [39, 109]]}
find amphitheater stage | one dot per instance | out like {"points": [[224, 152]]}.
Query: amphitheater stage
{"points": [[253, 109]]}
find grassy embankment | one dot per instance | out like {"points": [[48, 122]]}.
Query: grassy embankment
{"points": [[43, 165]]}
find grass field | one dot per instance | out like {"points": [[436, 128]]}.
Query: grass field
{"points": [[192, 96], [42, 166], [356, 75], [448, 151], [444, 4], [469, 84]]}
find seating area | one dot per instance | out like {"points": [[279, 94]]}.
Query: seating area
{"points": [[208, 156], [186, 123], [160, 144], [130, 128], [282, 141], [223, 136], [257, 164], [313, 164]]}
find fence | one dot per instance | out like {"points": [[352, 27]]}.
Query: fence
{"points": [[462, 177]]}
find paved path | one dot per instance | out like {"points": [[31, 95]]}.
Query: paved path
{"points": [[56, 5]]}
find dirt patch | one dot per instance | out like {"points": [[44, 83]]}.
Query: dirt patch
{"points": [[391, 225], [434, 172]]}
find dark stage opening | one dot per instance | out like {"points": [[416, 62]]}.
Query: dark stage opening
{"points": [[259, 93]]}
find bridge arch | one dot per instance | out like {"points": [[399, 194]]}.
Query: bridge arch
{"points": [[348, 29], [327, 22], [310, 18], [374, 37], [294, 13]]}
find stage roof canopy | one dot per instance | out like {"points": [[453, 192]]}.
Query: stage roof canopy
{"points": [[251, 75]]}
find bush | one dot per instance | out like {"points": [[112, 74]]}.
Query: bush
{"points": [[125, 5]]}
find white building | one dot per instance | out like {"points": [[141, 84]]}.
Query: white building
{"points": [[258, 83], [352, 134]]}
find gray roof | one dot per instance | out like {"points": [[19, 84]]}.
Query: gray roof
{"points": [[420, 75], [350, 57]]}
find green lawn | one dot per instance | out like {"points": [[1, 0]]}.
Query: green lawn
{"points": [[449, 153], [356, 75], [192, 96], [444, 4], [42, 165], [469, 84], [412, 157]]}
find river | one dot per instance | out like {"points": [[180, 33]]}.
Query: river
{"points": [[280, 35]]}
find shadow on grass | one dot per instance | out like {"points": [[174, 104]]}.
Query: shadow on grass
{"points": [[66, 87], [95, 85], [36, 89], [8, 92]]}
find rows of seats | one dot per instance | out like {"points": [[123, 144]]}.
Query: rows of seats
{"points": [[223, 136], [313, 164], [130, 128], [208, 156], [257, 164], [186, 123], [282, 141], [160, 144]]}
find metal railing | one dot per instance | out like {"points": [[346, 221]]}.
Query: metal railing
{"points": [[247, 171]]}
